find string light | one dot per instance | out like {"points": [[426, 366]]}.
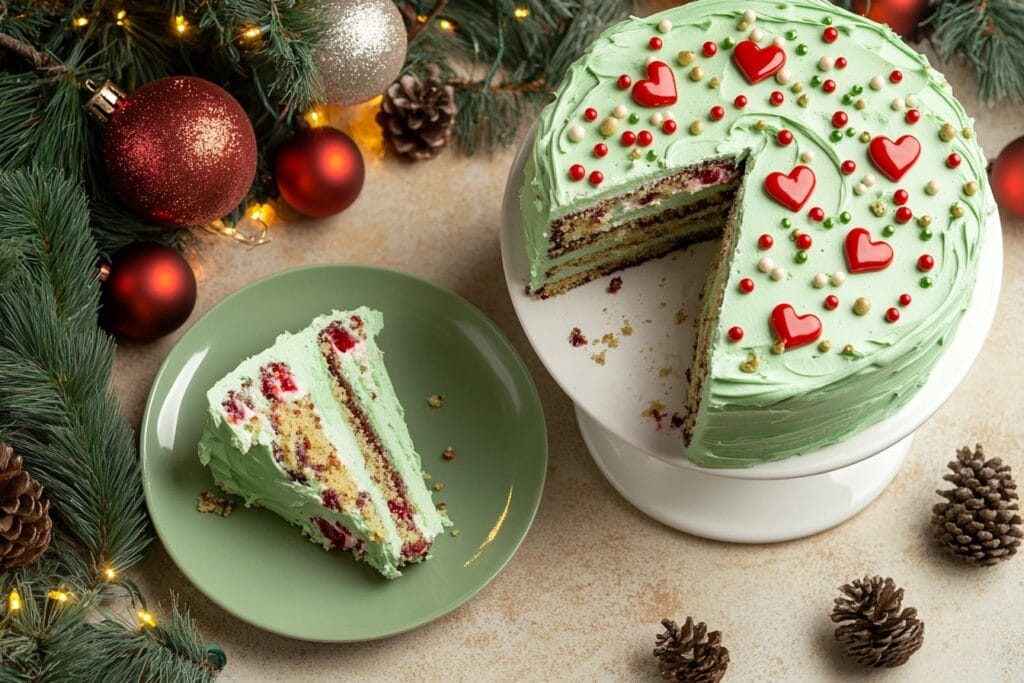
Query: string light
{"points": [[316, 118], [109, 574], [146, 619], [79, 22], [252, 32], [59, 596], [120, 16], [180, 25], [422, 18], [521, 13], [446, 25], [14, 601]]}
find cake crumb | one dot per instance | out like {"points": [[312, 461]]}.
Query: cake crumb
{"points": [[655, 411], [427, 475], [615, 285], [599, 358], [664, 372], [626, 329], [680, 317], [449, 453], [610, 340], [662, 304], [435, 400], [456, 532], [211, 503], [576, 337], [438, 486]]}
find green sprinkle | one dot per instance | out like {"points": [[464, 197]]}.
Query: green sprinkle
{"points": [[851, 131], [802, 49], [801, 257], [634, 118], [791, 34], [845, 217], [728, 42], [829, 222], [925, 282], [786, 223], [815, 80], [926, 234], [827, 21], [847, 99], [888, 231], [857, 89], [836, 136], [652, 155]]}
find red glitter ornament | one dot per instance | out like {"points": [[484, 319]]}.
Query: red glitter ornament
{"points": [[848, 167], [180, 151], [905, 299], [840, 119], [1008, 177], [953, 160], [925, 262], [912, 116], [627, 138], [655, 43], [902, 16], [710, 48], [831, 302], [829, 86], [804, 241], [816, 214], [901, 197], [904, 214], [644, 138], [577, 172], [596, 177], [892, 315], [784, 137], [765, 241], [746, 285], [717, 112], [740, 101], [896, 76], [590, 114], [319, 171], [669, 127], [735, 334], [600, 149], [625, 81], [830, 34], [149, 291], [777, 98]]}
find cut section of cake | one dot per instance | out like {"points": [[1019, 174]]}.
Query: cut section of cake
{"points": [[312, 430]]}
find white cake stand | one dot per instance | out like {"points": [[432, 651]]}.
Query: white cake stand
{"points": [[639, 344]]}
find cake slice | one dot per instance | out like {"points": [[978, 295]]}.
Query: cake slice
{"points": [[311, 429]]}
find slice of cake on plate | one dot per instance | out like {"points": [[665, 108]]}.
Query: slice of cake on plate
{"points": [[312, 430]]}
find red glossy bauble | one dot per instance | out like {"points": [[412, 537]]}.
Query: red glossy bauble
{"points": [[1008, 178], [902, 16], [180, 151], [149, 291], [319, 171]]}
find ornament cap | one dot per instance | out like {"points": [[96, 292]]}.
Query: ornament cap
{"points": [[104, 101]]}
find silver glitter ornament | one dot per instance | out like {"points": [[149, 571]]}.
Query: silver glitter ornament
{"points": [[362, 51]]}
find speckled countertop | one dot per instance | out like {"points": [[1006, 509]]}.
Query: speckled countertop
{"points": [[582, 598]]}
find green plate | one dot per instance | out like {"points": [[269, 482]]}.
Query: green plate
{"points": [[261, 569]]}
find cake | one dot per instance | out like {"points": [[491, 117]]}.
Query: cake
{"points": [[311, 429], [842, 178]]}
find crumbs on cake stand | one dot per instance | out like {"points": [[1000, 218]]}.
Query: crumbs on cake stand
{"points": [[659, 414], [210, 503], [577, 338], [614, 285], [448, 453], [435, 400]]}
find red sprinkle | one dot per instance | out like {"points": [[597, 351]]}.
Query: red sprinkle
{"points": [[746, 285], [740, 101], [777, 98], [925, 262], [829, 86], [669, 127], [804, 241], [590, 114], [953, 160], [896, 76], [625, 81], [644, 138], [785, 137], [831, 302], [912, 116], [709, 48], [717, 112], [830, 34], [765, 241], [600, 149], [655, 43], [840, 119], [596, 177], [577, 172], [848, 167], [735, 333], [628, 137], [892, 315], [816, 214], [904, 214], [900, 197], [841, 62], [904, 299]]}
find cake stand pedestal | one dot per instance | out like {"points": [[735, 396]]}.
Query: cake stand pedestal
{"points": [[639, 341]]}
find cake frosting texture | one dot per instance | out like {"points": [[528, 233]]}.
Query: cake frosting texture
{"points": [[859, 199]]}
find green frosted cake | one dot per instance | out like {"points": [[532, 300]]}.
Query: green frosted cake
{"points": [[311, 429], [834, 164]]}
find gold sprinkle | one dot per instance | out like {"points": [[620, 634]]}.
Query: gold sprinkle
{"points": [[795, 233], [742, 26], [848, 350], [696, 73], [686, 57], [636, 153], [435, 400], [697, 127], [924, 221], [752, 364], [860, 104], [970, 188], [609, 126], [797, 87], [760, 124], [947, 132], [968, 133], [803, 100], [778, 347], [862, 305], [865, 137], [714, 82], [825, 346], [879, 208], [956, 211]]}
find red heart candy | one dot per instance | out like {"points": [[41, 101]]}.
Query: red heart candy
{"points": [[758, 63], [794, 330], [792, 189], [658, 89], [865, 256], [894, 158]]}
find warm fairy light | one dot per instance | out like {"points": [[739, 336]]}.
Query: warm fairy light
{"points": [[422, 18], [59, 596], [521, 13], [316, 118], [261, 212], [79, 22], [446, 25], [14, 601], [180, 25], [120, 16], [146, 619], [252, 32], [109, 574]]}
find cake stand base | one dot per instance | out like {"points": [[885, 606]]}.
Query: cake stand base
{"points": [[716, 506]]}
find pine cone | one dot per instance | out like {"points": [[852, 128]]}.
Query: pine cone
{"points": [[24, 514], [876, 632], [417, 115], [691, 653], [979, 522]]}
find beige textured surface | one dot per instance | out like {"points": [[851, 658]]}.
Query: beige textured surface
{"points": [[583, 597]]}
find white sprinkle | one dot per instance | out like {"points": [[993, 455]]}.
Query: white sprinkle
{"points": [[779, 41], [576, 133], [860, 188], [778, 274], [826, 63], [783, 76], [620, 111], [870, 179], [650, 58], [657, 118], [807, 156], [877, 83], [932, 187], [664, 25], [756, 35], [820, 280], [911, 100], [766, 264], [749, 16], [897, 103], [838, 278], [669, 116]]}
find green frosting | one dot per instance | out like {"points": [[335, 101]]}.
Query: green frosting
{"points": [[241, 459], [806, 397]]}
